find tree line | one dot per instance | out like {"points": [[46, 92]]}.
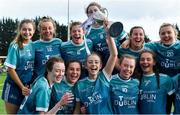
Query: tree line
{"points": [[8, 28]]}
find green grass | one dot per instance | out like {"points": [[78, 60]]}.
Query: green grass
{"points": [[2, 107]]}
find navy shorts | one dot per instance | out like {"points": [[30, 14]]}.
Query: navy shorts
{"points": [[12, 93]]}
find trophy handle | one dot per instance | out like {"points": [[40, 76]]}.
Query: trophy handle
{"points": [[87, 23], [105, 12]]}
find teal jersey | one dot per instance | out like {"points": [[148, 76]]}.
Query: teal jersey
{"points": [[72, 51], [58, 90], [120, 39], [124, 95], [98, 37], [22, 60], [153, 99], [134, 53], [168, 57], [129, 51], [43, 51], [94, 94], [38, 99], [176, 82]]}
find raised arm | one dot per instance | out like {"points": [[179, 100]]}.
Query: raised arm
{"points": [[113, 56]]}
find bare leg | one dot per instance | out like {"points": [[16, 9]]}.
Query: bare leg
{"points": [[11, 108]]}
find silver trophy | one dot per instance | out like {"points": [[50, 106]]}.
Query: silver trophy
{"points": [[115, 29]]}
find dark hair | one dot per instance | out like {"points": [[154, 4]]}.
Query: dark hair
{"points": [[18, 38], [136, 27], [73, 61], [155, 68], [131, 31], [94, 53], [50, 63]]}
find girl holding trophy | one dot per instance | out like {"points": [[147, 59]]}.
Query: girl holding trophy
{"points": [[96, 32]]}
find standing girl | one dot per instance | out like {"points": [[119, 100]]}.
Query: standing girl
{"points": [[48, 46], [93, 91], [97, 33], [168, 54], [124, 90], [136, 42], [154, 87], [20, 63], [136, 45], [78, 48]]}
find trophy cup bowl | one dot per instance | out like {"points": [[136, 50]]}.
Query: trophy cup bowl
{"points": [[115, 29]]}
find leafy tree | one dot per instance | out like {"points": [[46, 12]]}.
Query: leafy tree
{"points": [[178, 34], [61, 31], [36, 35], [7, 33], [146, 38]]}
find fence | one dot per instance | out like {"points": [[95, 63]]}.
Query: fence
{"points": [[2, 59], [2, 67]]}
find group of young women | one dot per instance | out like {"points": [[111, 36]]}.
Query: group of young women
{"points": [[48, 76]]}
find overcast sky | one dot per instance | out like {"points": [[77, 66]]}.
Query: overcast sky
{"points": [[149, 14]]}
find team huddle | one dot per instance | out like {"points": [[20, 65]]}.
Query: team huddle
{"points": [[93, 73]]}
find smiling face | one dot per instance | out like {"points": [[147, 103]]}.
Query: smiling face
{"points": [[137, 38], [77, 34], [167, 35], [47, 30], [73, 72], [93, 65], [127, 67], [27, 31], [147, 63], [57, 72]]}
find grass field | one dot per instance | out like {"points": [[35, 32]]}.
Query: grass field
{"points": [[2, 107]]}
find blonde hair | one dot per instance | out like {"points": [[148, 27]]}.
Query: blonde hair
{"points": [[47, 19], [168, 24]]}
